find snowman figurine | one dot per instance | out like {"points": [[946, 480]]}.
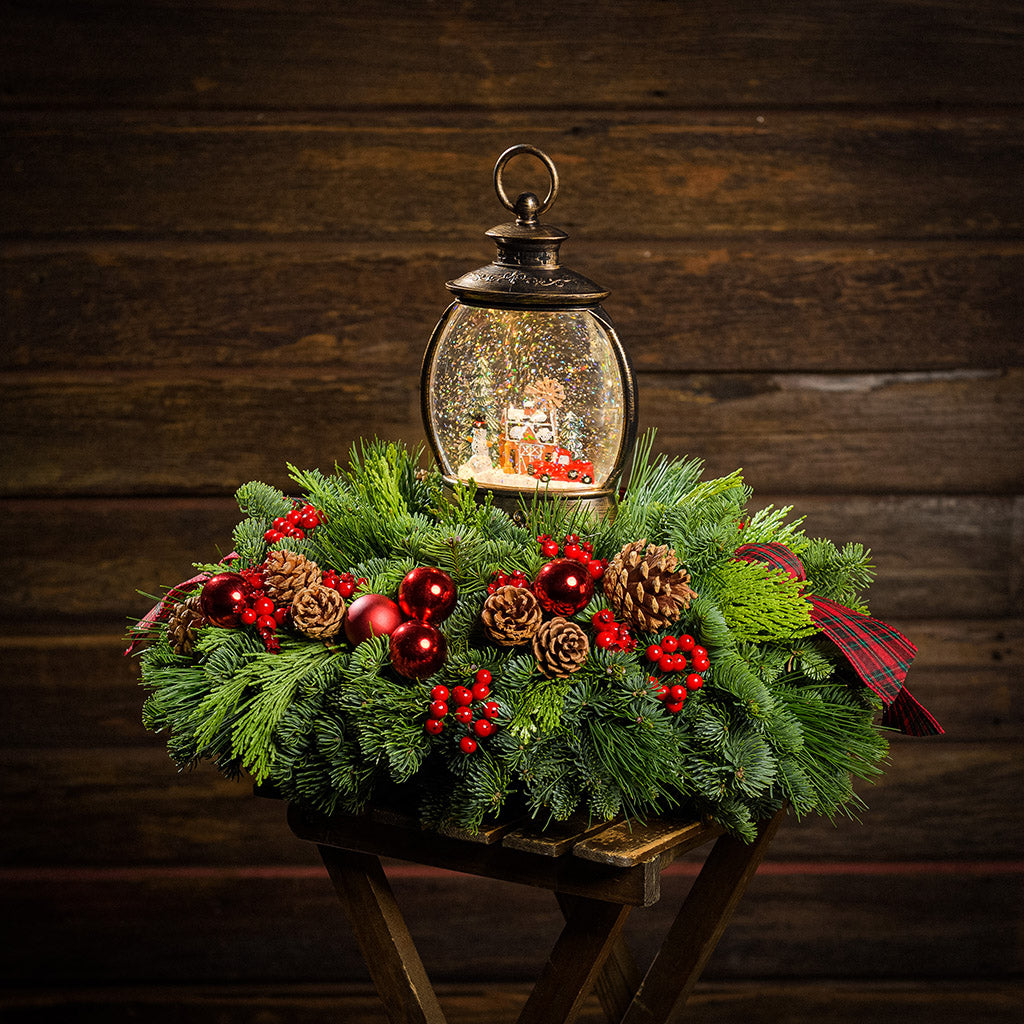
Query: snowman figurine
{"points": [[480, 457]]}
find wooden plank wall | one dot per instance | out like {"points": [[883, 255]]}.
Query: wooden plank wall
{"points": [[225, 231]]}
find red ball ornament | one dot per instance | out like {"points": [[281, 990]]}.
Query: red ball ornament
{"points": [[427, 594], [371, 615], [418, 650], [563, 586], [224, 598]]}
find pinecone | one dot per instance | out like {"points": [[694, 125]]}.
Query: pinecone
{"points": [[645, 587], [183, 623], [511, 616], [318, 612], [560, 647], [286, 574]]}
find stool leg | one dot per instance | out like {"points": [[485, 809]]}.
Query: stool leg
{"points": [[591, 929], [384, 940], [619, 978], [697, 928]]}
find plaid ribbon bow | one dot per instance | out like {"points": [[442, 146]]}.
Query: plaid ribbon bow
{"points": [[880, 654]]}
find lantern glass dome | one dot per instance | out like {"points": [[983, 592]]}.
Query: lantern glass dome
{"points": [[525, 384]]}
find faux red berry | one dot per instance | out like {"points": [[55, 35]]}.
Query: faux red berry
{"points": [[434, 726], [694, 681], [272, 536], [666, 663], [294, 516], [464, 714], [597, 567], [481, 691], [263, 606], [266, 622], [661, 692], [654, 653], [605, 617], [483, 727], [491, 709], [439, 692], [549, 549], [280, 523], [572, 538], [468, 744], [462, 695], [280, 614], [686, 642], [676, 694], [699, 652], [249, 616], [606, 639], [669, 643], [483, 676], [309, 521], [573, 551], [701, 664], [492, 588], [674, 709], [438, 709]]}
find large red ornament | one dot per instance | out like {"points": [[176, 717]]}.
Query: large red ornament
{"points": [[223, 599], [563, 586], [371, 615], [418, 649], [427, 594]]}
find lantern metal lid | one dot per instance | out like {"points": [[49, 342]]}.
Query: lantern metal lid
{"points": [[526, 271], [525, 386]]}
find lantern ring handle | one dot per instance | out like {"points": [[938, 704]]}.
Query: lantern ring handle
{"points": [[500, 188]]}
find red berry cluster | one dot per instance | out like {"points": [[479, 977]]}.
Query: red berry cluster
{"points": [[343, 582], [296, 523], [612, 634], [517, 578], [571, 547], [465, 699], [669, 655], [261, 612]]}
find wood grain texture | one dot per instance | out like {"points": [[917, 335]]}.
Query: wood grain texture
{"points": [[717, 1003], [216, 930], [679, 306], [122, 806], [936, 432], [763, 1002], [641, 54], [797, 175]]}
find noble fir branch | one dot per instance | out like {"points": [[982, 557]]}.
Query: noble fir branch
{"points": [[261, 501], [248, 540], [838, 574]]}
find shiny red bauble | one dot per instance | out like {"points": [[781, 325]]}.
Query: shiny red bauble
{"points": [[563, 586], [223, 599], [371, 615], [427, 594], [418, 649]]}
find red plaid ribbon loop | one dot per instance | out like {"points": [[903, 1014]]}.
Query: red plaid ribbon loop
{"points": [[880, 654]]}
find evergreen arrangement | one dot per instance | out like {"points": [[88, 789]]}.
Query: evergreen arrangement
{"points": [[373, 639]]}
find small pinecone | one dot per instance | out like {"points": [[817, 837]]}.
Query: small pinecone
{"points": [[560, 647], [318, 612], [645, 587], [511, 616], [183, 623], [286, 574]]}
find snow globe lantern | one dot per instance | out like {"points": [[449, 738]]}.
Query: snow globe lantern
{"points": [[525, 385]]}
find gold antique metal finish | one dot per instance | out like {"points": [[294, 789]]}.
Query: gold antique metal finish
{"points": [[525, 386]]}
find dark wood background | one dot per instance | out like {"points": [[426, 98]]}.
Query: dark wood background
{"points": [[225, 232]]}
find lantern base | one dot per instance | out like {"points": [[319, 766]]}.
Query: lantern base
{"points": [[598, 502]]}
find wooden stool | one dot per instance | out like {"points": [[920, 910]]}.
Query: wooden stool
{"points": [[598, 874]]}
